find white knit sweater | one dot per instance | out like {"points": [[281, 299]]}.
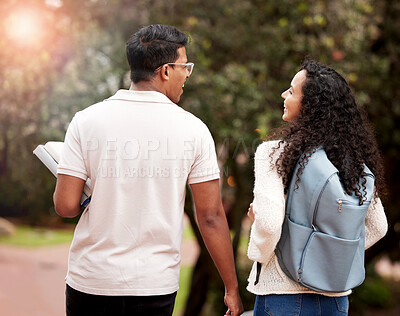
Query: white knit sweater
{"points": [[269, 211]]}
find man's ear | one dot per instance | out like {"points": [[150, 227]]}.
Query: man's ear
{"points": [[164, 72]]}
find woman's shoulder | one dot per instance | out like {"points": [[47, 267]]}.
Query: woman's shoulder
{"points": [[265, 149]]}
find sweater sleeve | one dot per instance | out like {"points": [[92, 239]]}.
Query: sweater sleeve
{"points": [[268, 205], [376, 224]]}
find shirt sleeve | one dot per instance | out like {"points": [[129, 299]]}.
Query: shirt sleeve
{"points": [[268, 205], [376, 224], [72, 161], [205, 165]]}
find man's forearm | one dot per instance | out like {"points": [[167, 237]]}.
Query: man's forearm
{"points": [[67, 195], [215, 232]]}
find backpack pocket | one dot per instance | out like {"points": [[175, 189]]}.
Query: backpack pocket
{"points": [[347, 222], [289, 249], [331, 264]]}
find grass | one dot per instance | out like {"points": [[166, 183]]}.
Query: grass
{"points": [[188, 233], [183, 292], [26, 236]]}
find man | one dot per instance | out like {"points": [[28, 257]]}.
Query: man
{"points": [[140, 150]]}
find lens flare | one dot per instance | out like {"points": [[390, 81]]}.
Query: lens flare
{"points": [[24, 27]]}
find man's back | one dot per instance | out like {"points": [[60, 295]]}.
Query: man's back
{"points": [[140, 150]]}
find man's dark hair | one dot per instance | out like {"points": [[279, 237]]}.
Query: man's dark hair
{"points": [[151, 47]]}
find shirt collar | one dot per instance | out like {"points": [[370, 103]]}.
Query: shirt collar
{"points": [[140, 96]]}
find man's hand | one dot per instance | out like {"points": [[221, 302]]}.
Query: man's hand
{"points": [[234, 304]]}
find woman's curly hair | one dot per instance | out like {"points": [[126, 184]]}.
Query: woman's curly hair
{"points": [[329, 117]]}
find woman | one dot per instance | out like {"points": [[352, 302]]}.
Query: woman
{"points": [[321, 111]]}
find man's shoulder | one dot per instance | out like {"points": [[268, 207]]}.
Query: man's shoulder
{"points": [[188, 119], [190, 116], [89, 111]]}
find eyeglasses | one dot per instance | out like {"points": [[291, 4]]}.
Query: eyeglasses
{"points": [[189, 67]]}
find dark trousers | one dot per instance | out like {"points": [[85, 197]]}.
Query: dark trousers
{"points": [[83, 304]]}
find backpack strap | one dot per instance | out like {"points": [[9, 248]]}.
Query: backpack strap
{"points": [[313, 179], [258, 273]]}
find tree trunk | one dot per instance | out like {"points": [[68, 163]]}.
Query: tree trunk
{"points": [[4, 153]]}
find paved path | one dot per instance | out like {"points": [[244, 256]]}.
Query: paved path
{"points": [[32, 280]]}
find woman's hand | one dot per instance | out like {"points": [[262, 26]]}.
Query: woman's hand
{"points": [[250, 213]]}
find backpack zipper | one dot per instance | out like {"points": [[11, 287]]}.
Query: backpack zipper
{"points": [[300, 270], [319, 199], [344, 202], [341, 202]]}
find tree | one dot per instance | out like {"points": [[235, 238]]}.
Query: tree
{"points": [[245, 52], [379, 80], [26, 68]]}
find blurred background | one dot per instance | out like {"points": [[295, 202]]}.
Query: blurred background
{"points": [[60, 56]]}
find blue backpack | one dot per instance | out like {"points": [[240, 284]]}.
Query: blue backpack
{"points": [[323, 236]]}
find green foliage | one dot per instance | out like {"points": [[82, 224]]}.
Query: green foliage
{"points": [[188, 233], [374, 292], [184, 285], [27, 68], [245, 52]]}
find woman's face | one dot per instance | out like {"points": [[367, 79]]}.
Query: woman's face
{"points": [[293, 97]]}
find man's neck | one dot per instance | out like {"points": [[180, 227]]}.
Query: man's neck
{"points": [[145, 86]]}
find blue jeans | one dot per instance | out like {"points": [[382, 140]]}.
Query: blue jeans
{"points": [[83, 304], [300, 305]]}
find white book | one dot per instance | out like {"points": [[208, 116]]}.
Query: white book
{"points": [[49, 154]]}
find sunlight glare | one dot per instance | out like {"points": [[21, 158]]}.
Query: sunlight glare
{"points": [[24, 26]]}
